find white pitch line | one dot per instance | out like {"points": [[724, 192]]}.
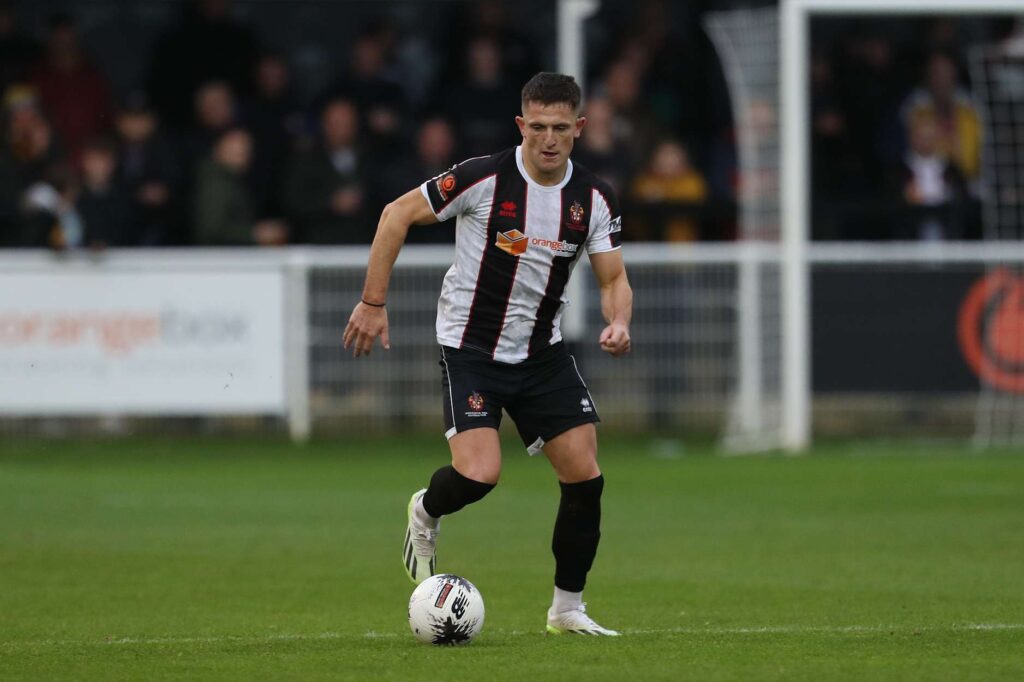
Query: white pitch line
{"points": [[371, 634]]}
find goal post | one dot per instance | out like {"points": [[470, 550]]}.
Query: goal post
{"points": [[794, 82]]}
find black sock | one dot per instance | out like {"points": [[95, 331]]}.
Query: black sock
{"points": [[449, 491], [577, 532]]}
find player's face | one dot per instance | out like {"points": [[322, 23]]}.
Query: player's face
{"points": [[549, 131]]}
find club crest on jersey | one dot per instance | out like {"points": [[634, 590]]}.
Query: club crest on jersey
{"points": [[512, 242], [507, 209], [576, 213], [445, 184]]}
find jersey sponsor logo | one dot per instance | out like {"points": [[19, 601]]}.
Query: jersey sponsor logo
{"points": [[512, 242], [507, 209], [559, 247], [445, 184], [615, 225], [990, 323], [576, 214]]}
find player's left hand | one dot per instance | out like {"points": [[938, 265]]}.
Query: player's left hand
{"points": [[615, 339]]}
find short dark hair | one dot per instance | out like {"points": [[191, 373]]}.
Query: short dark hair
{"points": [[552, 88]]}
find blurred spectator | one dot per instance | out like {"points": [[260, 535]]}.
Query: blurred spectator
{"points": [[633, 123], [48, 214], [376, 95], [483, 105], [871, 84], [149, 172], [17, 51], [599, 150], [435, 153], [29, 147], [103, 205], [836, 171], [274, 118], [74, 93], [950, 107], [207, 45], [926, 178], [215, 112], [224, 209], [669, 177], [473, 19], [325, 190]]}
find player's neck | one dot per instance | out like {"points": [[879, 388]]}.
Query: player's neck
{"points": [[546, 179]]}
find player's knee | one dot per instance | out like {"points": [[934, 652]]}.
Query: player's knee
{"points": [[481, 470], [581, 473]]}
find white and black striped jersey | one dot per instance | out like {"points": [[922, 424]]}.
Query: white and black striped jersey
{"points": [[516, 243]]}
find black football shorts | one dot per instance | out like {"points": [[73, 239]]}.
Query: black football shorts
{"points": [[544, 394]]}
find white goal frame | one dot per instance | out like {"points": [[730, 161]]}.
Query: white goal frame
{"points": [[794, 83]]}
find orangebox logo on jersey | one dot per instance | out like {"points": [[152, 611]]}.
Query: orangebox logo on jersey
{"points": [[560, 248], [512, 242], [476, 405]]}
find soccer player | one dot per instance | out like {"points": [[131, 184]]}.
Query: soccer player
{"points": [[524, 216]]}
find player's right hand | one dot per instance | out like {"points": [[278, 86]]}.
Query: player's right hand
{"points": [[364, 326]]}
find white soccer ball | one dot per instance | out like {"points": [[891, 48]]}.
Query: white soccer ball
{"points": [[446, 610]]}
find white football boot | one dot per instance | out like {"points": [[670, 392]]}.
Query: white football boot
{"points": [[419, 550], [577, 622]]}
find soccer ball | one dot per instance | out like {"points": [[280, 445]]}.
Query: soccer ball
{"points": [[446, 610]]}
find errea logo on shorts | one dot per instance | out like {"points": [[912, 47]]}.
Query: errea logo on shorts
{"points": [[585, 404]]}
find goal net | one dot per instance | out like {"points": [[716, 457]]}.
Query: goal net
{"points": [[747, 42], [997, 72]]}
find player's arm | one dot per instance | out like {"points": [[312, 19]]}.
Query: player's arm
{"points": [[368, 321], [616, 300]]}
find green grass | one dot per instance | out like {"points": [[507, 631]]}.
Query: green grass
{"points": [[243, 560]]}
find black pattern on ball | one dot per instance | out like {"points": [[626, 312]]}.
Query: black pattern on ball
{"points": [[458, 580], [450, 633]]}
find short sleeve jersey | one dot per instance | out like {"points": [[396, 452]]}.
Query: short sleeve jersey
{"points": [[516, 244]]}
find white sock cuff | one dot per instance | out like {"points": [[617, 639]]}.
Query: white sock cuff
{"points": [[421, 514], [566, 601]]}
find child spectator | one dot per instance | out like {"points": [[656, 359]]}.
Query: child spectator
{"points": [[669, 177], [103, 204], [926, 178]]}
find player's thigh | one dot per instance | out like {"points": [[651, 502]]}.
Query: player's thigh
{"points": [[470, 393], [573, 454], [555, 401], [476, 454]]}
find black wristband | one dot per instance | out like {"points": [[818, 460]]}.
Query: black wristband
{"points": [[372, 305]]}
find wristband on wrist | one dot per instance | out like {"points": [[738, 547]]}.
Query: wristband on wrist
{"points": [[372, 305]]}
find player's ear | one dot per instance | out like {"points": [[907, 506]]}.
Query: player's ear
{"points": [[580, 122], [521, 122]]}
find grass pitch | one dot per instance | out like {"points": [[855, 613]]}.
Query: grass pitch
{"points": [[255, 560]]}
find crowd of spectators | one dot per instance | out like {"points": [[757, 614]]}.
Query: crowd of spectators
{"points": [[214, 147]]}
